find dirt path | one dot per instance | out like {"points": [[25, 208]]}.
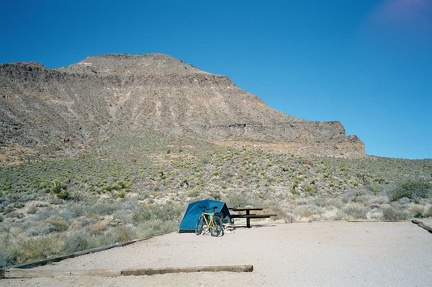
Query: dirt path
{"points": [[299, 254]]}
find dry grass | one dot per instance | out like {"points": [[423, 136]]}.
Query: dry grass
{"points": [[116, 198]]}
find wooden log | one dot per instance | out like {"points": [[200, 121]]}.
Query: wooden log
{"points": [[14, 273], [34, 273], [154, 271], [422, 225]]}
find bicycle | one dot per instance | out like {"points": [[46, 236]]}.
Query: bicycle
{"points": [[209, 221]]}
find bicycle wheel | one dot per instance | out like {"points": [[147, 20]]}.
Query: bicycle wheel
{"points": [[199, 225], [217, 228]]}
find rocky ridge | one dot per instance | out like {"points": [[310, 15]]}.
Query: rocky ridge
{"points": [[112, 96]]}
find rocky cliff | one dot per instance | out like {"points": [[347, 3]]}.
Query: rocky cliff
{"points": [[110, 96]]}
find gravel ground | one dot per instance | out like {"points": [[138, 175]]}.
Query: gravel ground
{"points": [[299, 254]]}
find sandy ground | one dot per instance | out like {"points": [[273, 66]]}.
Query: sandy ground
{"points": [[298, 254]]}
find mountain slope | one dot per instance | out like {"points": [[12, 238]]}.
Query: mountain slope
{"points": [[113, 96]]}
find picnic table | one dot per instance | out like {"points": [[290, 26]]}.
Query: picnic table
{"points": [[249, 215]]}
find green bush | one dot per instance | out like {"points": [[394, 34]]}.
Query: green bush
{"points": [[57, 187], [411, 189], [309, 189]]}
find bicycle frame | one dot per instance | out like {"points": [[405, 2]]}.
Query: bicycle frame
{"points": [[211, 221], [208, 219]]}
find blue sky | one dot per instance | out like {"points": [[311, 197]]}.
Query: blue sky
{"points": [[365, 63]]}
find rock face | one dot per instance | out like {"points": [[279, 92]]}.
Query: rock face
{"points": [[108, 96]]}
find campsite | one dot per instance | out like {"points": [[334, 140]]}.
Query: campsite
{"points": [[330, 253], [195, 209], [298, 254]]}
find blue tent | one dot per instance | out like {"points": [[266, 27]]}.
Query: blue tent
{"points": [[195, 209]]}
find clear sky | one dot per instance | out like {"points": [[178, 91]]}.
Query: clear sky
{"points": [[365, 63]]}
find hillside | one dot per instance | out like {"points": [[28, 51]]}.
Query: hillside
{"points": [[67, 110]]}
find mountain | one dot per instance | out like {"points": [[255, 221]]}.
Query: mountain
{"points": [[59, 111]]}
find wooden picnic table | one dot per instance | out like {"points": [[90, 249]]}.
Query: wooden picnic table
{"points": [[249, 215]]}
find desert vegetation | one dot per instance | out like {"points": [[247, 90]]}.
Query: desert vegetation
{"points": [[127, 190], [91, 155]]}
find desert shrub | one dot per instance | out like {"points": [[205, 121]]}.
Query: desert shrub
{"points": [[156, 227], [309, 189], [235, 199], [116, 186], [103, 208], [141, 215], [76, 242], [37, 248], [216, 195], [84, 222], [295, 191], [281, 213], [121, 193], [32, 210], [379, 180], [46, 227], [63, 195], [329, 202], [428, 211], [57, 225], [355, 211], [44, 214], [155, 212], [130, 205], [417, 211], [8, 253], [363, 198], [393, 214], [15, 214], [37, 230], [73, 211], [194, 193], [98, 228], [120, 234], [411, 189], [305, 213], [59, 189]]}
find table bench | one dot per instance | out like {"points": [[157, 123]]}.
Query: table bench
{"points": [[249, 215]]}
